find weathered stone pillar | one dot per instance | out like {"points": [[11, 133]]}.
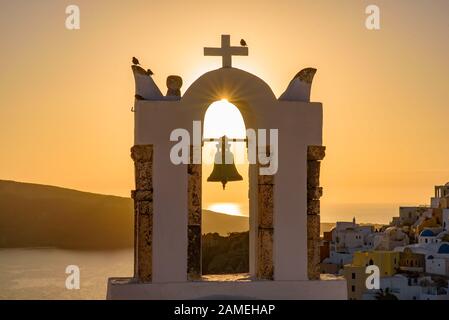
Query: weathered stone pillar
{"points": [[265, 212], [194, 219], [143, 211], [135, 235], [314, 192]]}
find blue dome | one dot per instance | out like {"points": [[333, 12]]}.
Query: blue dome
{"points": [[444, 248], [427, 233]]}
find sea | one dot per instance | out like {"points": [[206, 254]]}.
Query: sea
{"points": [[40, 273]]}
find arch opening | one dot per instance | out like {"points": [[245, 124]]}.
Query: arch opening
{"points": [[225, 215]]}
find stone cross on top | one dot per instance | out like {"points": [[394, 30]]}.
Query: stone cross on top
{"points": [[226, 51]]}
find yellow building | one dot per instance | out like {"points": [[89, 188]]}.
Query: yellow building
{"points": [[387, 261], [355, 278]]}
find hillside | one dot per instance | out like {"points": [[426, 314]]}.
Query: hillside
{"points": [[33, 215], [225, 255], [214, 222]]}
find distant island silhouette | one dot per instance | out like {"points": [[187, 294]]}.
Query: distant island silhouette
{"points": [[34, 215]]}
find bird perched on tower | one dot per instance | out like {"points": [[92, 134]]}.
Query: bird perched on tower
{"points": [[135, 61], [243, 43]]}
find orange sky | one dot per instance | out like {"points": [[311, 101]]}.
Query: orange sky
{"points": [[66, 95]]}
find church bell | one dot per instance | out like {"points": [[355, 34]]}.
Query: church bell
{"points": [[224, 172]]}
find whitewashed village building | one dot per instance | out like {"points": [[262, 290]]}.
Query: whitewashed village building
{"points": [[428, 236], [347, 238], [432, 243], [350, 237], [436, 256], [416, 271], [389, 239], [405, 288]]}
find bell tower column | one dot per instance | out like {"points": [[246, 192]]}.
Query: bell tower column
{"points": [[265, 229], [194, 217], [143, 212], [314, 192]]}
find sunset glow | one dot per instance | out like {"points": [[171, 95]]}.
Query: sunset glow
{"points": [[226, 207], [67, 95]]}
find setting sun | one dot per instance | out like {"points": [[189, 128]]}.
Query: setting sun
{"points": [[223, 118], [230, 208]]}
